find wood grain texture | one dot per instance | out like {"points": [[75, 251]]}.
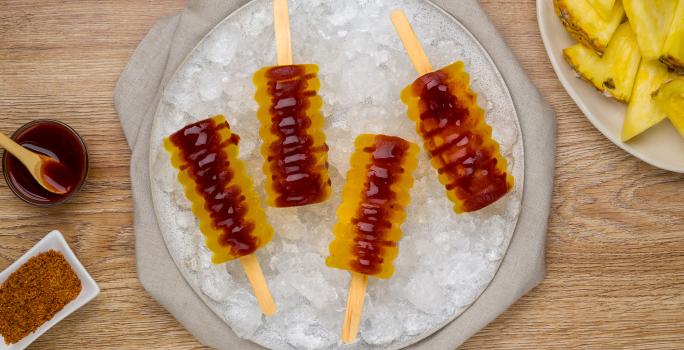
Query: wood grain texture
{"points": [[615, 249]]}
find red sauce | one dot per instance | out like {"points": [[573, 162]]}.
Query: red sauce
{"points": [[377, 203], [57, 176], [293, 157], [55, 140], [201, 148], [466, 156]]}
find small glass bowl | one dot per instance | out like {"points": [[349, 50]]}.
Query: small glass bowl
{"points": [[52, 133]]}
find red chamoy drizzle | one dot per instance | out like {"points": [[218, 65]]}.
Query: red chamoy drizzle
{"points": [[378, 200], [201, 148]]}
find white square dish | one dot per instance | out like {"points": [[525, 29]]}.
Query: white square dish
{"points": [[53, 241]]}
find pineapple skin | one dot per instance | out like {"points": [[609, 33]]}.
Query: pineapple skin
{"points": [[673, 51], [642, 112], [585, 23], [650, 21], [670, 100], [615, 72]]}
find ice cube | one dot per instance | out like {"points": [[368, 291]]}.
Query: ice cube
{"points": [[209, 82], [305, 332], [224, 47], [424, 293], [244, 313], [216, 283], [381, 326]]}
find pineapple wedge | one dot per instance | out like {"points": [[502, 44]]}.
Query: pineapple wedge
{"points": [[673, 52], [603, 7], [670, 99], [585, 23], [614, 73], [651, 21], [642, 113]]}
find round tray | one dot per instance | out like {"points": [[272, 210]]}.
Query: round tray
{"points": [[464, 251]]}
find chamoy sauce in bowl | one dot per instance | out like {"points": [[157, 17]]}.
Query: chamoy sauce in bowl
{"points": [[55, 140]]}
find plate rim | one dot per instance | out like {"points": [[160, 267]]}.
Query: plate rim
{"points": [[574, 95]]}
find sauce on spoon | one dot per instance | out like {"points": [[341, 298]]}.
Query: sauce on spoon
{"points": [[57, 176]]}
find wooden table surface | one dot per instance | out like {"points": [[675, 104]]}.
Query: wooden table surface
{"points": [[615, 247]]}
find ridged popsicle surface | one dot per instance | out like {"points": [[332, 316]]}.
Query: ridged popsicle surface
{"points": [[216, 183]]}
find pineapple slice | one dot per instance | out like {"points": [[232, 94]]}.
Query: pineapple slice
{"points": [[585, 23], [651, 21], [613, 73], [642, 113], [603, 7], [670, 99], [673, 52]]}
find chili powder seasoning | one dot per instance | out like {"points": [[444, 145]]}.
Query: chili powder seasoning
{"points": [[34, 293]]}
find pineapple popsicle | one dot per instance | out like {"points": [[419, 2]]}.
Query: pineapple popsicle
{"points": [[373, 202], [223, 197], [294, 148], [369, 218], [455, 134], [292, 130]]}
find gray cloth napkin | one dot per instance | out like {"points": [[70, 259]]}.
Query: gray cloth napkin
{"points": [[136, 97]]}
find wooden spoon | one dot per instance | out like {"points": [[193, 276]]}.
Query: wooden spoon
{"points": [[50, 173]]}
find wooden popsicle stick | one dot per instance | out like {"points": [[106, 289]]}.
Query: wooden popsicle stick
{"points": [[411, 43], [281, 24], [355, 299], [256, 277]]}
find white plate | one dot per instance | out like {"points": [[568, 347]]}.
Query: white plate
{"points": [[53, 241], [660, 146]]}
